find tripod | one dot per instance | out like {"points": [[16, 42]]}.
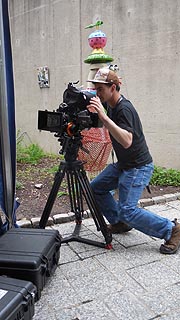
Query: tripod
{"points": [[78, 186]]}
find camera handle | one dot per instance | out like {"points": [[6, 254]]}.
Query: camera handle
{"points": [[78, 186]]}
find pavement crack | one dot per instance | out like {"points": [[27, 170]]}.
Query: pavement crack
{"points": [[143, 264]]}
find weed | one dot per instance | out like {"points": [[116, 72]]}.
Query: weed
{"points": [[30, 154], [54, 169], [19, 185], [165, 177], [62, 193]]}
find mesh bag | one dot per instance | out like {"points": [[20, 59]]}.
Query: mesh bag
{"points": [[98, 143]]}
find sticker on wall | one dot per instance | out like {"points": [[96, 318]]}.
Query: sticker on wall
{"points": [[43, 77]]}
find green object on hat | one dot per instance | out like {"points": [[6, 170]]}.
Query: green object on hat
{"points": [[98, 58], [97, 24]]}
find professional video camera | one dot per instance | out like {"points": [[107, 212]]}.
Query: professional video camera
{"points": [[72, 115], [67, 122]]}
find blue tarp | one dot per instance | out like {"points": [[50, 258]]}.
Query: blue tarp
{"points": [[7, 130]]}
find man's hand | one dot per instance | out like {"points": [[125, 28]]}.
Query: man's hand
{"points": [[96, 105]]}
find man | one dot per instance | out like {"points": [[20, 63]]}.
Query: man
{"points": [[133, 170]]}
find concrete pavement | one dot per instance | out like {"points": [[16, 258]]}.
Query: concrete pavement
{"points": [[131, 281]]}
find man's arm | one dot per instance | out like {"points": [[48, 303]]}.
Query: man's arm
{"points": [[122, 136]]}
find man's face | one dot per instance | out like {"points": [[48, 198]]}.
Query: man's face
{"points": [[103, 91]]}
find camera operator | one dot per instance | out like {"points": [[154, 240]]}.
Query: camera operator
{"points": [[133, 169]]}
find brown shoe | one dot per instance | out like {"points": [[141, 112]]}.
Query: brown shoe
{"points": [[172, 245], [119, 227]]}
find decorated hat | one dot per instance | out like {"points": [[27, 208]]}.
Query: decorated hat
{"points": [[105, 75]]}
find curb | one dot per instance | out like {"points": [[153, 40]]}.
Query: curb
{"points": [[70, 216]]}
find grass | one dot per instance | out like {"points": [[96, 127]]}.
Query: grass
{"points": [[32, 154], [62, 193], [19, 185], [165, 177]]}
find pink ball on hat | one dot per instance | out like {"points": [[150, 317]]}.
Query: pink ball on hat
{"points": [[97, 39]]}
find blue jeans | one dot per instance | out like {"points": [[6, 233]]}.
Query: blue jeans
{"points": [[130, 184]]}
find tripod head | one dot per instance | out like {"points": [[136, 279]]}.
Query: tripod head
{"points": [[70, 146]]}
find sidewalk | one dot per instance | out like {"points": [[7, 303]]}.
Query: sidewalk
{"points": [[131, 281]]}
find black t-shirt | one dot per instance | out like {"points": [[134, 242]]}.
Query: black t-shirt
{"points": [[126, 117]]}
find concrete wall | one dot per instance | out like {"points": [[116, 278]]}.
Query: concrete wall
{"points": [[144, 40]]}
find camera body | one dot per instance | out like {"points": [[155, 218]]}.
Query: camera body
{"points": [[72, 115]]}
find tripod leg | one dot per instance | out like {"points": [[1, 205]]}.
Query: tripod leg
{"points": [[91, 202], [75, 196], [52, 196], [79, 201]]}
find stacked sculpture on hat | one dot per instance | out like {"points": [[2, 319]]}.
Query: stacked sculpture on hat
{"points": [[96, 140]]}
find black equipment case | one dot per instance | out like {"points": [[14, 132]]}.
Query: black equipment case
{"points": [[17, 298], [30, 254]]}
